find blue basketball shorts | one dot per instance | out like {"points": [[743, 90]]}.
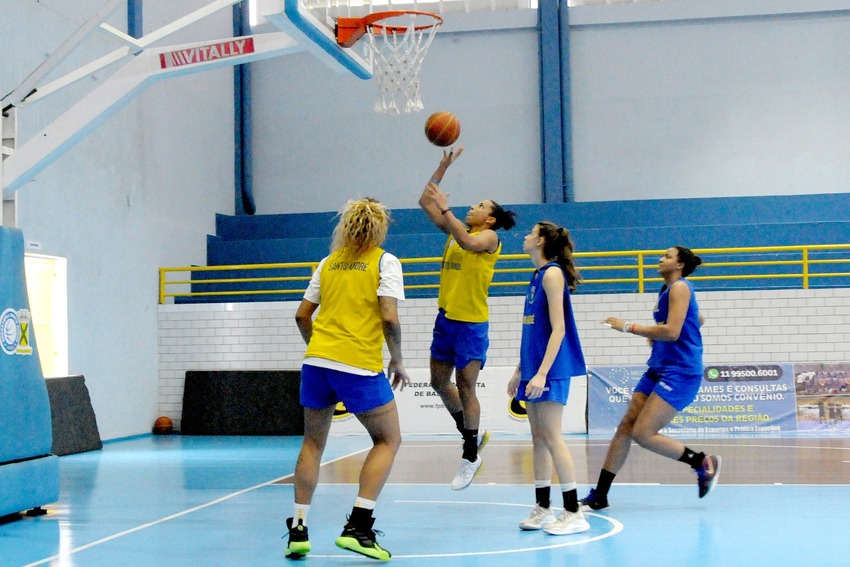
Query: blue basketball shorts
{"points": [[555, 391], [458, 342], [678, 390], [323, 387]]}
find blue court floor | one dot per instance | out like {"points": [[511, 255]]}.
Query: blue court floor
{"points": [[222, 501]]}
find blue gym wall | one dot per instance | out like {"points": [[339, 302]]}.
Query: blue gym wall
{"points": [[667, 100]]}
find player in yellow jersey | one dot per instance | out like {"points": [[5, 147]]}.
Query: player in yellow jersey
{"points": [[358, 286], [460, 338]]}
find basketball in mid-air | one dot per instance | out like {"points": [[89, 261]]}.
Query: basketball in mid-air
{"points": [[442, 128]]}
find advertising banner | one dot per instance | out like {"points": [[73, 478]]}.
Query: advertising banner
{"points": [[421, 411], [752, 398]]}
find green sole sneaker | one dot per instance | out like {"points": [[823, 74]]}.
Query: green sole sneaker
{"points": [[482, 439], [297, 549], [299, 542], [351, 544]]}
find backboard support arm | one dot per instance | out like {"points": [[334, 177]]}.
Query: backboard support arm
{"points": [[142, 67]]}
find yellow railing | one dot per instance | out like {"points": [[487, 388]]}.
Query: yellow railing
{"points": [[602, 272]]}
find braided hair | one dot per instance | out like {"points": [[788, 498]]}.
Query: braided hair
{"points": [[363, 224]]}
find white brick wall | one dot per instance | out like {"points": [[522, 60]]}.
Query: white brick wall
{"points": [[741, 327]]}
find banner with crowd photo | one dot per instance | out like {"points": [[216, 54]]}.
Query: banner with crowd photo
{"points": [[421, 411], [752, 398], [823, 396]]}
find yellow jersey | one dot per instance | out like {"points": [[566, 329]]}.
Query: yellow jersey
{"points": [[348, 326], [465, 278]]}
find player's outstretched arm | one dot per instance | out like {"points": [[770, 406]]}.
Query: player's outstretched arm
{"points": [[426, 200], [680, 297]]}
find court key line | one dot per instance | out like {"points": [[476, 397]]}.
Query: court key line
{"points": [[65, 554]]}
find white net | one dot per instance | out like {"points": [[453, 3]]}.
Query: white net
{"points": [[396, 48]]}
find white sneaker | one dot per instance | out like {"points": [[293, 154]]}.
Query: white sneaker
{"points": [[538, 518], [568, 523], [466, 472]]}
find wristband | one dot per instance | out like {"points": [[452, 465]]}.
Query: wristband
{"points": [[625, 328], [435, 181]]}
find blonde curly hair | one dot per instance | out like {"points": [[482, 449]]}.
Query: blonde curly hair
{"points": [[363, 224]]}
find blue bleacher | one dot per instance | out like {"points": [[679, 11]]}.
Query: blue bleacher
{"points": [[722, 222]]}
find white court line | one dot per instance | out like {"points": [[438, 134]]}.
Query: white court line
{"points": [[616, 527], [786, 447], [65, 554], [709, 442], [528, 445]]}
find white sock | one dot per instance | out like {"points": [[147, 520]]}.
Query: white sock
{"points": [[300, 513], [364, 503]]}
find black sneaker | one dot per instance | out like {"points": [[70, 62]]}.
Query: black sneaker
{"points": [[708, 474], [594, 501], [361, 539], [299, 544]]}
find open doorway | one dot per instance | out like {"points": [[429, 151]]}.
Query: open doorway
{"points": [[47, 287]]}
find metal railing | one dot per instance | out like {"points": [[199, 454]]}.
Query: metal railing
{"points": [[628, 271]]}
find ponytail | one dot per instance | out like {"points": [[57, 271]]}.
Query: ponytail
{"points": [[558, 247]]}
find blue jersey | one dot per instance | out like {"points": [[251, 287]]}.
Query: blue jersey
{"points": [[685, 354], [536, 329]]}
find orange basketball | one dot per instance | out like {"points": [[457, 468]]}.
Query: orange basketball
{"points": [[163, 426], [442, 128]]}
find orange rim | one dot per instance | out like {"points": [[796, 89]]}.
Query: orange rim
{"points": [[369, 20], [349, 30]]}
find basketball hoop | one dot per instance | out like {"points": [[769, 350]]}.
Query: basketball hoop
{"points": [[396, 44]]}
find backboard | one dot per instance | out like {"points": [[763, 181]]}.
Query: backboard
{"points": [[312, 23]]}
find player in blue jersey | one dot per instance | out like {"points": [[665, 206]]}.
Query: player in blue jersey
{"points": [[670, 383], [550, 354]]}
